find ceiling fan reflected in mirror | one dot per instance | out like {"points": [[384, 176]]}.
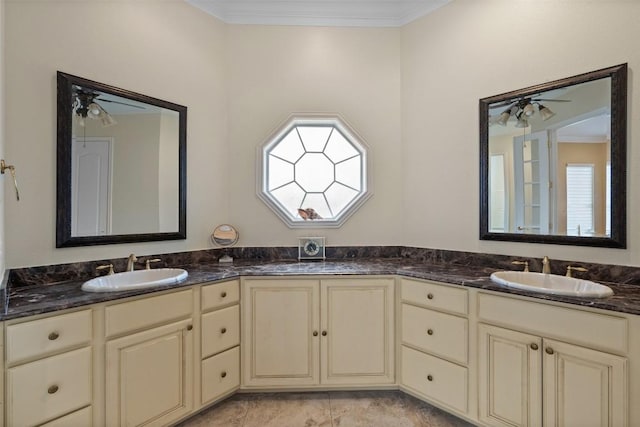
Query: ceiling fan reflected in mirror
{"points": [[87, 104], [522, 109]]}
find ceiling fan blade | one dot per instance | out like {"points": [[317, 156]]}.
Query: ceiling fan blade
{"points": [[121, 103], [551, 100], [502, 104]]}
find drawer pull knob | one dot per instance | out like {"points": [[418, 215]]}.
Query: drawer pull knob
{"points": [[223, 294], [430, 331], [548, 350], [52, 389], [315, 333], [53, 336], [534, 346], [223, 374], [223, 330], [430, 377], [189, 327], [430, 296], [324, 333]]}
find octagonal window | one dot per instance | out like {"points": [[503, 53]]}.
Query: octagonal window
{"points": [[314, 172]]}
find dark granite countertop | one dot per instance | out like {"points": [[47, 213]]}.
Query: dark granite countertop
{"points": [[23, 301]]}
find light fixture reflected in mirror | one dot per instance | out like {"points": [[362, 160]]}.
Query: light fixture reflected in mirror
{"points": [[523, 109], [545, 113]]}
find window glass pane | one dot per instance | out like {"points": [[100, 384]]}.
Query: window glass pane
{"points": [[290, 196], [317, 202], [314, 172], [349, 173], [289, 148], [338, 148], [314, 138], [579, 200], [339, 196], [280, 172]]}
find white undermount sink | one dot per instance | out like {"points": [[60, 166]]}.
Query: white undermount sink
{"points": [[135, 280], [551, 284]]}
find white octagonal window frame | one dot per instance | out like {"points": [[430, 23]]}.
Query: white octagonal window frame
{"points": [[334, 190]]}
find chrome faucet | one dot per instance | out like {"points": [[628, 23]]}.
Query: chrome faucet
{"points": [[131, 262], [546, 265]]}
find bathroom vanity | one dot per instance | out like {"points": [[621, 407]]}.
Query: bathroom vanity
{"points": [[444, 334]]}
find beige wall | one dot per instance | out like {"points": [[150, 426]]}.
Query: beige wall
{"points": [[412, 93], [168, 50], [468, 50], [275, 71]]}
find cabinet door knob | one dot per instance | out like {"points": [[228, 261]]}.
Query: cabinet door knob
{"points": [[52, 389], [189, 327], [534, 346], [53, 336], [324, 333], [223, 374], [429, 295], [548, 350], [223, 294], [223, 330], [430, 331], [430, 377], [315, 333]]}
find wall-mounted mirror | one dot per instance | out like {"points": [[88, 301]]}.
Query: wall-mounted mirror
{"points": [[553, 162], [121, 165]]}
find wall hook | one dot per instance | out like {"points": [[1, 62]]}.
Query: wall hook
{"points": [[12, 170]]}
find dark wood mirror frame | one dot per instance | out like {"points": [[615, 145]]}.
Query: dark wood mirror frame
{"points": [[618, 239], [64, 236]]}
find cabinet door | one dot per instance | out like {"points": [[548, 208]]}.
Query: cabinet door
{"points": [[357, 344], [280, 332], [583, 387], [149, 376], [510, 376]]}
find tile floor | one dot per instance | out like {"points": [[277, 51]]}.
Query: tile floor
{"points": [[325, 409]]}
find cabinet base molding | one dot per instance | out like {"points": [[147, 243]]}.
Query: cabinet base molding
{"points": [[294, 389]]}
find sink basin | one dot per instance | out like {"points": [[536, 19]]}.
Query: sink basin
{"points": [[551, 284], [135, 280]]}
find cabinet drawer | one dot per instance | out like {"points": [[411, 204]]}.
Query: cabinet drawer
{"points": [[48, 335], [147, 312], [220, 330], [81, 418], [220, 374], [433, 295], [435, 379], [220, 294], [595, 330], [438, 333], [48, 388]]}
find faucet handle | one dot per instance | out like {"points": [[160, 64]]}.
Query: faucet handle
{"points": [[149, 261], [103, 267], [571, 268], [525, 263]]}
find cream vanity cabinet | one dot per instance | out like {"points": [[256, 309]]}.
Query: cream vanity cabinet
{"points": [[434, 347], [220, 340], [542, 364], [49, 370], [309, 332], [149, 360]]}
